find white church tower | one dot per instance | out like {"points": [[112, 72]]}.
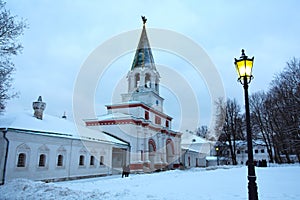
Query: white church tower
{"points": [[139, 119]]}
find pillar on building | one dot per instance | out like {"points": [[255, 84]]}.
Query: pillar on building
{"points": [[158, 164], [146, 150], [136, 163], [164, 150], [142, 80]]}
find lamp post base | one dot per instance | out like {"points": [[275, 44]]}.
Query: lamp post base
{"points": [[252, 188]]}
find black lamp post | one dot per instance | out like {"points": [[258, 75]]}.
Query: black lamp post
{"points": [[244, 68], [217, 151]]}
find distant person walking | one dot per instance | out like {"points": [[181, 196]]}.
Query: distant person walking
{"points": [[126, 171]]}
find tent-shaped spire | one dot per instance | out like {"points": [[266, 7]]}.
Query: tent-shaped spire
{"points": [[143, 55]]}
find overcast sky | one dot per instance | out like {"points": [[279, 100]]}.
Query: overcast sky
{"points": [[63, 33]]}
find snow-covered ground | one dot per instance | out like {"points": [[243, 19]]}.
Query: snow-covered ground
{"points": [[226, 183]]}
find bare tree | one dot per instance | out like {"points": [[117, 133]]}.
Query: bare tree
{"points": [[285, 94], [202, 131], [275, 114], [229, 125], [10, 29], [260, 121]]}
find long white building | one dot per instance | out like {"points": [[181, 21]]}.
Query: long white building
{"points": [[42, 147]]}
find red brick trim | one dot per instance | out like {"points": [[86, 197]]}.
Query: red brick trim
{"points": [[176, 165], [157, 166], [139, 105], [136, 166], [146, 164], [129, 121]]}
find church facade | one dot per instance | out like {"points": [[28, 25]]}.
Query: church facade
{"points": [[134, 132], [139, 119]]}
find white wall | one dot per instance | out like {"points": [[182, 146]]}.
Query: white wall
{"points": [[189, 159], [242, 156], [34, 144], [138, 137]]}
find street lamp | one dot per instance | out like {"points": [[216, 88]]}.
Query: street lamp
{"points": [[217, 151], [244, 69]]}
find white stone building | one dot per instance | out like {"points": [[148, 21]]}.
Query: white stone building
{"points": [[194, 150], [139, 119], [259, 153], [42, 147]]}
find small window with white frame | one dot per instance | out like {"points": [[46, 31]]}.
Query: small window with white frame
{"points": [[22, 156], [60, 160], [21, 160], [42, 160], [43, 153], [61, 156], [83, 154]]}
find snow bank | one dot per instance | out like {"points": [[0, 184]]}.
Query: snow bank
{"points": [[27, 189], [222, 182]]}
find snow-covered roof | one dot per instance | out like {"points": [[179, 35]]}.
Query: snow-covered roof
{"points": [[242, 143], [188, 138], [127, 102], [115, 115], [54, 126], [211, 158], [200, 148], [137, 103], [195, 143]]}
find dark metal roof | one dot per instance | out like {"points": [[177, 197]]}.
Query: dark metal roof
{"points": [[143, 55]]}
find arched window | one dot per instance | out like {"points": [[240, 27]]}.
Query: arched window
{"points": [[92, 160], [60, 159], [21, 160], [42, 160], [147, 81], [43, 152], [61, 153], [81, 160], [137, 80], [152, 146], [22, 155], [101, 160]]}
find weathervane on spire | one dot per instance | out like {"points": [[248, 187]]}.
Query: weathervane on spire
{"points": [[144, 19]]}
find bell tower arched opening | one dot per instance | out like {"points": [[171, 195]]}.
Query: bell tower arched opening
{"points": [[147, 80], [137, 80]]}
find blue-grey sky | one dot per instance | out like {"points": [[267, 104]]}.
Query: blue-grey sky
{"points": [[62, 33]]}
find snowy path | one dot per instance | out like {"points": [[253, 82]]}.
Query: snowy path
{"points": [[276, 183]]}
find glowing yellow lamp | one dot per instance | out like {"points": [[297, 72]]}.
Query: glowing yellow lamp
{"points": [[244, 67]]}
